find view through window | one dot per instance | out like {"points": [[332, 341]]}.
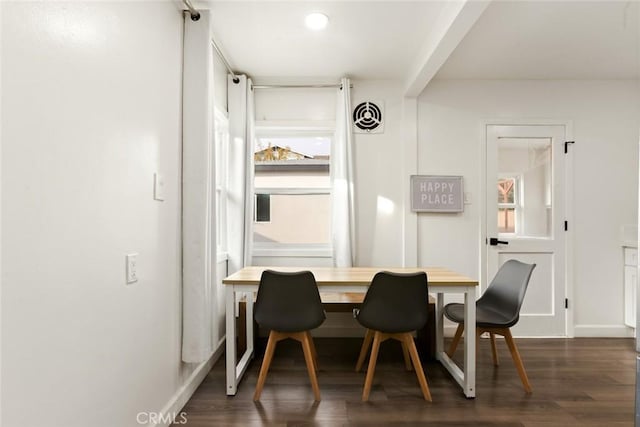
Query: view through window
{"points": [[221, 140], [292, 190], [507, 204]]}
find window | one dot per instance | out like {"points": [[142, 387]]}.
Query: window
{"points": [[525, 188], [221, 141], [263, 207], [292, 189], [507, 205]]}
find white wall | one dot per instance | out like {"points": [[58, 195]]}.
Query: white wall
{"points": [[379, 178], [286, 105], [91, 108], [605, 128]]}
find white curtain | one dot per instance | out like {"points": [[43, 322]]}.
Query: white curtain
{"points": [[249, 197], [198, 192], [240, 191], [342, 184]]}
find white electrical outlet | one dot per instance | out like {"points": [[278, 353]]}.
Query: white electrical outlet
{"points": [[158, 187], [132, 268]]}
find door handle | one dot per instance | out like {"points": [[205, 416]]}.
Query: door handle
{"points": [[495, 242]]}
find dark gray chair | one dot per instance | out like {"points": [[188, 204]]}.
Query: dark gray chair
{"points": [[497, 310], [289, 305], [395, 305]]}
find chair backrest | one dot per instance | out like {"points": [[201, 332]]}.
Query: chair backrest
{"points": [[396, 302], [506, 291], [288, 302]]}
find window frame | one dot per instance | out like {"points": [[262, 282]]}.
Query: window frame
{"points": [[221, 180], [291, 130]]}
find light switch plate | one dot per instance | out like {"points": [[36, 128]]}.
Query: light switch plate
{"points": [[132, 268], [467, 198], [158, 187]]}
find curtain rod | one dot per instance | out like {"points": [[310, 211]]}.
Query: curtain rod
{"points": [[195, 15], [224, 61], [320, 86]]}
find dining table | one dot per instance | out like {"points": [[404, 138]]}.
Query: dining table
{"points": [[244, 283]]}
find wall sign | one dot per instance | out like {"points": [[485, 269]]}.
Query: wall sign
{"points": [[432, 193]]}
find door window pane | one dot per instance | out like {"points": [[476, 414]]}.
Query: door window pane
{"points": [[525, 187], [506, 220], [506, 190]]}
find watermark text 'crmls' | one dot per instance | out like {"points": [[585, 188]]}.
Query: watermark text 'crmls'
{"points": [[155, 418]]}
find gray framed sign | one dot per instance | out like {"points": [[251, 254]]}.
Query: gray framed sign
{"points": [[433, 193]]}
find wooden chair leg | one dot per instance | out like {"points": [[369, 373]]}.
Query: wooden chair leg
{"points": [[365, 349], [377, 338], [411, 345], [308, 357], [405, 354], [313, 351], [494, 348], [266, 362], [456, 340], [517, 360]]}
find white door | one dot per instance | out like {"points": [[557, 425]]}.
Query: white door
{"points": [[526, 215]]}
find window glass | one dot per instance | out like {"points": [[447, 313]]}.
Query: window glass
{"points": [[525, 188], [263, 207], [221, 140], [506, 190], [292, 187]]}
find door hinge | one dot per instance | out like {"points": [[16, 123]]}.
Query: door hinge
{"points": [[566, 146], [566, 225], [566, 303]]}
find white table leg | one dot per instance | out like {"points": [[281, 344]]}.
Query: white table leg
{"points": [[470, 343], [231, 341]]}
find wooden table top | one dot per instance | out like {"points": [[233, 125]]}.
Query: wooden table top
{"points": [[358, 276]]}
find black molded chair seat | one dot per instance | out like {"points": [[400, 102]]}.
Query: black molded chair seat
{"points": [[288, 302], [497, 310], [289, 305], [395, 305], [395, 302], [485, 316]]}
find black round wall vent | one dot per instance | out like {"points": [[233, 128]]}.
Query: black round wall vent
{"points": [[367, 116]]}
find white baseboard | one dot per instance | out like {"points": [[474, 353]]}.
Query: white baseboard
{"points": [[182, 396], [603, 331]]}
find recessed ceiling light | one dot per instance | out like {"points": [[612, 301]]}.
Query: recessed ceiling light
{"points": [[316, 21]]}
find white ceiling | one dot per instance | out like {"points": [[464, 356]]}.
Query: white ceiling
{"points": [[382, 39], [364, 39], [550, 40]]}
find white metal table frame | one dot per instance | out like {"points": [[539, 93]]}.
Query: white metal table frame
{"points": [[465, 377]]}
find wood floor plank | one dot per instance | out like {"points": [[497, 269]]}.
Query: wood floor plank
{"points": [[582, 381]]}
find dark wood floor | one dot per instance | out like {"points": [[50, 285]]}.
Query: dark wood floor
{"points": [[576, 382]]}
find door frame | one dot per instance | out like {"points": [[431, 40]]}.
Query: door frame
{"points": [[568, 179]]}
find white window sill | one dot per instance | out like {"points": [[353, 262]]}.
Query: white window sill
{"points": [[293, 251]]}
